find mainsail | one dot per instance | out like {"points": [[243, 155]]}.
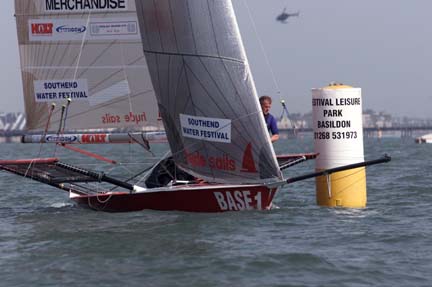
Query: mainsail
{"points": [[205, 90], [91, 53]]}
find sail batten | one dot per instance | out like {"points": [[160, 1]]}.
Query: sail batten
{"points": [[205, 91]]}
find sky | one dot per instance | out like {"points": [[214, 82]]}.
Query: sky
{"points": [[383, 47]]}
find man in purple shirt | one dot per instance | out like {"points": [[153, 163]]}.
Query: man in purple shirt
{"points": [[266, 102]]}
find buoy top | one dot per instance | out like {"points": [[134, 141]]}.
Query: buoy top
{"points": [[335, 86]]}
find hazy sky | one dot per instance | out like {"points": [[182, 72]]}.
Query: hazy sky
{"points": [[381, 46]]}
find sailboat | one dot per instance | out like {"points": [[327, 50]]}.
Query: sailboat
{"points": [[191, 65]]}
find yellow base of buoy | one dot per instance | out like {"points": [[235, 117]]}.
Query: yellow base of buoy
{"points": [[342, 189]]}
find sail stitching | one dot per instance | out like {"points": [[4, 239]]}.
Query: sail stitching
{"points": [[143, 26], [208, 93], [169, 58], [52, 67], [194, 55], [226, 70], [114, 73], [63, 56], [98, 57], [223, 64], [45, 55], [177, 49], [82, 45], [53, 58], [262, 139], [173, 26], [191, 27], [202, 143]]}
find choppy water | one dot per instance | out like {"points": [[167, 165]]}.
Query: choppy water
{"points": [[47, 241]]}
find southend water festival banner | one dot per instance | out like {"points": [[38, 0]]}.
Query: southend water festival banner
{"points": [[208, 129]]}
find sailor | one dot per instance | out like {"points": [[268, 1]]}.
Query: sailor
{"points": [[266, 102]]}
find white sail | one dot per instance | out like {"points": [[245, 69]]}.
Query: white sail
{"points": [[90, 52], [205, 90]]}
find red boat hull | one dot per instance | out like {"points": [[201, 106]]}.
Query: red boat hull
{"points": [[194, 199]]}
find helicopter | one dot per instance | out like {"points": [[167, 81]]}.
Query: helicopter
{"points": [[283, 17]]}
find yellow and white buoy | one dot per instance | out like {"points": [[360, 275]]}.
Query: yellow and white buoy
{"points": [[338, 138]]}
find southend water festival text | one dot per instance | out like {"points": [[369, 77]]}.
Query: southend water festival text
{"points": [[60, 90], [208, 129], [334, 122]]}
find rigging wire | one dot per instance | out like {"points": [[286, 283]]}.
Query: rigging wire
{"points": [[53, 105], [273, 76], [265, 54], [263, 50]]}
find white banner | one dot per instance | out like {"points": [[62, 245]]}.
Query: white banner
{"points": [[208, 129], [60, 90]]}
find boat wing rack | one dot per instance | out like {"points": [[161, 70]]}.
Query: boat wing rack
{"points": [[288, 160], [57, 174], [68, 177]]}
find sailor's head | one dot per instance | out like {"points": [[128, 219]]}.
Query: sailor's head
{"points": [[265, 102]]}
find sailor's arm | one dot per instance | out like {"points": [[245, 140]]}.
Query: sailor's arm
{"points": [[274, 137]]}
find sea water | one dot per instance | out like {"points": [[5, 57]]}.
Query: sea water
{"points": [[45, 240]]}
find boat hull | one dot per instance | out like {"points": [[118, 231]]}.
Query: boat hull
{"points": [[196, 199]]}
